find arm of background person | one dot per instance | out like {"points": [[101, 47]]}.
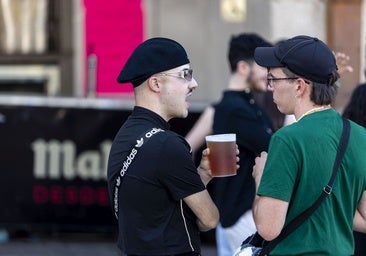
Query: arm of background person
{"points": [[203, 126], [289, 119], [359, 221]]}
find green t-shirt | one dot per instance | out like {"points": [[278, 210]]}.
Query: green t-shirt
{"points": [[299, 165]]}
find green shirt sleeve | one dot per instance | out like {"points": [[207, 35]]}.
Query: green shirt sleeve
{"points": [[280, 171]]}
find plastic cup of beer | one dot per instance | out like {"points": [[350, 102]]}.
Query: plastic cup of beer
{"points": [[222, 155]]}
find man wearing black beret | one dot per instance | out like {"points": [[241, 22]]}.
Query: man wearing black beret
{"points": [[158, 195]]}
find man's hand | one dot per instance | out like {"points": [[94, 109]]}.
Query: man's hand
{"points": [[342, 61], [258, 167]]}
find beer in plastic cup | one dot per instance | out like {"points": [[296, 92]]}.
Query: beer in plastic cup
{"points": [[222, 155]]}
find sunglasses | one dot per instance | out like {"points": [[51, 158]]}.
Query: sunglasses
{"points": [[186, 74]]}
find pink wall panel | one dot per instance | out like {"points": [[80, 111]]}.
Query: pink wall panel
{"points": [[113, 28]]}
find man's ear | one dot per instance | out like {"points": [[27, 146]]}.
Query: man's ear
{"points": [[302, 87], [154, 83], [243, 68]]}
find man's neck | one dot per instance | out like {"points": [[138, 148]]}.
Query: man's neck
{"points": [[238, 83]]}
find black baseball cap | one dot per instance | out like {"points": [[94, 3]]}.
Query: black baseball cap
{"points": [[150, 57], [305, 56]]}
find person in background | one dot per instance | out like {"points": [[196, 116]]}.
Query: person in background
{"points": [[238, 112], [302, 74], [158, 195], [355, 110]]}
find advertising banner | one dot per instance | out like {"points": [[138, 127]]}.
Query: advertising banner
{"points": [[53, 165]]}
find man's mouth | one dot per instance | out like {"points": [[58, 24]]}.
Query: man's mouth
{"points": [[190, 93]]}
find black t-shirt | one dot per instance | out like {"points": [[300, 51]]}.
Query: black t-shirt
{"points": [[238, 112], [153, 219]]}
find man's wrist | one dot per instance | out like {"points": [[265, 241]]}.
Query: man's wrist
{"points": [[205, 175]]}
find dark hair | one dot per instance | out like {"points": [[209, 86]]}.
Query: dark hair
{"points": [[242, 47], [321, 94], [324, 94], [356, 107]]}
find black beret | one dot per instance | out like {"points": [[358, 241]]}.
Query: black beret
{"points": [[150, 57]]}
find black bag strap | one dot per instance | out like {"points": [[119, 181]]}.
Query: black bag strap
{"points": [[296, 222], [141, 140]]}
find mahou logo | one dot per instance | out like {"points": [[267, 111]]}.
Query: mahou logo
{"points": [[55, 159]]}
